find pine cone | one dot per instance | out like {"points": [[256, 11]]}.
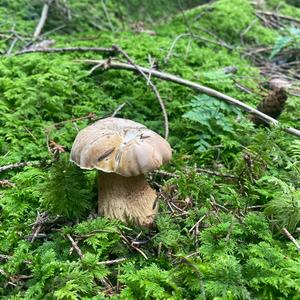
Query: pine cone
{"points": [[273, 104]]}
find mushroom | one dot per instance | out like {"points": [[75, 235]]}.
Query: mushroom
{"points": [[123, 151]]}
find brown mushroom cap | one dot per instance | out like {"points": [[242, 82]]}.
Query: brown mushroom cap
{"points": [[121, 146]]}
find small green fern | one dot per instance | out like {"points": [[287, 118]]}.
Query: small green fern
{"points": [[66, 190], [292, 39], [212, 117], [285, 209]]}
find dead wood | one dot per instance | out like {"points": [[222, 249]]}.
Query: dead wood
{"points": [[203, 89]]}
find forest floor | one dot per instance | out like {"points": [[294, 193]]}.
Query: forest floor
{"points": [[228, 225]]}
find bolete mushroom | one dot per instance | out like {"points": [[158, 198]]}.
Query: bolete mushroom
{"points": [[123, 151]]}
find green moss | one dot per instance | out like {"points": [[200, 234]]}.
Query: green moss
{"points": [[233, 21], [213, 245]]}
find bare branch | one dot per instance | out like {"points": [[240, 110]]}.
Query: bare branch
{"points": [[19, 165], [67, 49], [195, 37], [4, 183], [112, 262], [116, 111], [150, 83], [75, 246], [291, 238], [203, 89], [275, 15], [43, 19]]}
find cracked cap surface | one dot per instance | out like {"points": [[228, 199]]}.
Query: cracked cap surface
{"points": [[121, 146]]}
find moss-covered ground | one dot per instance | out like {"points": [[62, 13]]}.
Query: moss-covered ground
{"points": [[233, 188]]}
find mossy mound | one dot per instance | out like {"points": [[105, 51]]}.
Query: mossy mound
{"points": [[219, 231]]}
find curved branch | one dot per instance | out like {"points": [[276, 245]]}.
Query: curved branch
{"points": [[201, 88]]}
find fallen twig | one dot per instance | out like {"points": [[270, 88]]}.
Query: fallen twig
{"points": [[12, 45], [41, 220], [275, 15], [67, 49], [195, 37], [150, 83], [58, 148], [43, 19], [215, 173], [118, 109], [200, 170], [164, 173], [112, 262], [4, 183], [107, 16], [5, 257], [127, 242], [291, 238], [75, 246], [196, 225], [19, 165], [203, 89]]}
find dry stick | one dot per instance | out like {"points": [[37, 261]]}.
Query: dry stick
{"points": [[272, 14], [75, 246], [19, 165], [49, 129], [12, 45], [197, 87], [244, 32], [116, 111], [112, 262], [150, 83], [195, 37], [41, 219], [5, 257], [67, 49], [200, 170], [198, 222], [107, 16], [43, 19], [165, 173], [210, 172], [291, 238], [126, 241], [4, 183]]}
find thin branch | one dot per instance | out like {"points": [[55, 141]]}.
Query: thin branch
{"points": [[203, 89], [195, 37], [215, 173], [19, 165], [67, 49], [4, 257], [107, 16], [41, 219], [291, 238], [4, 183], [116, 111], [272, 14], [178, 37], [43, 19], [150, 83], [12, 45], [164, 173], [49, 129], [127, 242], [75, 246], [112, 262], [198, 170], [198, 223]]}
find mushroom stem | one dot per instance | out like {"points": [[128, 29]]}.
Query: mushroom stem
{"points": [[130, 199]]}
